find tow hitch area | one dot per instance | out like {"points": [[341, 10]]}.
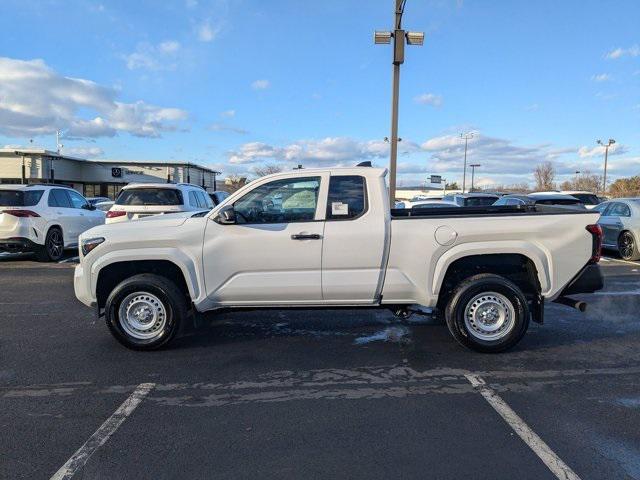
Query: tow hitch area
{"points": [[571, 302]]}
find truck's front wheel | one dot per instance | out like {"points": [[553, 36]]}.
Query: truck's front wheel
{"points": [[487, 313], [145, 311]]}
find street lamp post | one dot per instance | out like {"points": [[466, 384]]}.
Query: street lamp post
{"points": [[399, 37], [606, 156], [473, 173], [466, 137]]}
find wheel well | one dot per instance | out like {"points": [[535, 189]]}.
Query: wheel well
{"points": [[517, 268], [113, 274]]}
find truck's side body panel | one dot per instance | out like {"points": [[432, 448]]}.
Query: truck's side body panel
{"points": [[558, 245]]}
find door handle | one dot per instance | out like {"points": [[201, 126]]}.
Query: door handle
{"points": [[305, 236]]}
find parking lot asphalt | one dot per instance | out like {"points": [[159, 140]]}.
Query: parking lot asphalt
{"points": [[315, 394]]}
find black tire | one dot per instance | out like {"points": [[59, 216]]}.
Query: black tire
{"points": [[53, 248], [468, 294], [149, 289], [628, 247]]}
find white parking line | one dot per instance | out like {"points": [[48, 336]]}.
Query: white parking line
{"points": [[609, 259], [99, 438], [535, 443]]}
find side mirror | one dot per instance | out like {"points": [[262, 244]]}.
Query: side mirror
{"points": [[226, 216], [90, 207]]}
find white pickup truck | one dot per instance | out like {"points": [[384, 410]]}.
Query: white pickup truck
{"points": [[327, 238]]}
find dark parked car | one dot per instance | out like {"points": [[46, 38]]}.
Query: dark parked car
{"points": [[556, 199]]}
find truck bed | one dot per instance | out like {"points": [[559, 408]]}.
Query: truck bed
{"points": [[501, 210]]}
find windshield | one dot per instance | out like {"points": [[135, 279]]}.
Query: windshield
{"points": [[20, 198], [558, 201], [479, 201], [149, 196], [587, 198]]}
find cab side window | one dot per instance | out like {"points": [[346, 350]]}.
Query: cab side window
{"points": [[280, 201], [347, 197]]}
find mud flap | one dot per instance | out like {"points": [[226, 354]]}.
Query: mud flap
{"points": [[537, 309]]}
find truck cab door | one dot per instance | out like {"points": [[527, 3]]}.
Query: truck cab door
{"points": [[271, 254], [355, 235]]}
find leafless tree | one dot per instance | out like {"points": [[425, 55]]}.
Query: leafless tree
{"points": [[267, 169], [544, 175], [586, 181]]}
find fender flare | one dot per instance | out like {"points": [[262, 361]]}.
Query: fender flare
{"points": [[185, 263], [534, 252]]}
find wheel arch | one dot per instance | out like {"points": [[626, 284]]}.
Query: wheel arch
{"points": [[517, 267], [108, 271]]}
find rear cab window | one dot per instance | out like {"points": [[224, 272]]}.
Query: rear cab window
{"points": [[347, 198], [19, 198], [149, 196]]}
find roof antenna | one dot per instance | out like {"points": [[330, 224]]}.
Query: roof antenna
{"points": [[364, 164]]}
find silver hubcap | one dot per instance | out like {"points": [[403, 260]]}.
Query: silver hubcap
{"points": [[142, 315], [489, 316]]}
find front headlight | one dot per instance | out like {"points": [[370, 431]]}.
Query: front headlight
{"points": [[89, 244]]}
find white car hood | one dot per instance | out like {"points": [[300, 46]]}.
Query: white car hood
{"points": [[137, 226]]}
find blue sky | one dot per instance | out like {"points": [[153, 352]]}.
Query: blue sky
{"points": [[236, 84]]}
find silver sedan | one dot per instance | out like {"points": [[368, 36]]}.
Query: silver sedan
{"points": [[620, 222]]}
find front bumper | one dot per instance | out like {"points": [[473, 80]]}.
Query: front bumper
{"points": [[588, 280], [82, 286], [17, 245]]}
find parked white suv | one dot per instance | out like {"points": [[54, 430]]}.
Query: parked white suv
{"points": [[138, 200], [44, 219]]}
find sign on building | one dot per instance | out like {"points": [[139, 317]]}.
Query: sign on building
{"points": [[116, 172]]}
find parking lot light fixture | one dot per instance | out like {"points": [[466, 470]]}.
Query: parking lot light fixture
{"points": [[466, 137], [606, 156], [399, 38]]}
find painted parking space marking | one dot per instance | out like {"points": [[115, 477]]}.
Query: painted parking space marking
{"points": [[609, 259], [560, 469], [100, 437]]}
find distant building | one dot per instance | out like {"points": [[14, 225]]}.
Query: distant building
{"points": [[94, 178]]}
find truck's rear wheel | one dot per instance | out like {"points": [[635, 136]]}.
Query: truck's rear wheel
{"points": [[144, 312], [487, 313]]}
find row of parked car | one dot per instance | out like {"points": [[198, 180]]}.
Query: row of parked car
{"points": [[47, 219], [619, 218]]}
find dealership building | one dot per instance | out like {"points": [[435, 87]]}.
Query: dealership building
{"points": [[96, 178]]}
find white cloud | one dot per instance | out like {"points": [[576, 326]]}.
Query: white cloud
{"points": [[170, 46], [598, 150], [153, 57], [207, 32], [428, 99], [534, 107], [602, 77], [83, 152], [261, 84], [36, 100], [323, 152], [632, 51], [228, 113], [222, 127]]}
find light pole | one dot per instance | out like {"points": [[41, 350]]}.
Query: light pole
{"points": [[466, 137], [606, 156], [399, 37], [473, 173]]}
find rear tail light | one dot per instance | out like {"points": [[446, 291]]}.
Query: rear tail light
{"points": [[20, 213], [116, 213], [596, 232]]}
